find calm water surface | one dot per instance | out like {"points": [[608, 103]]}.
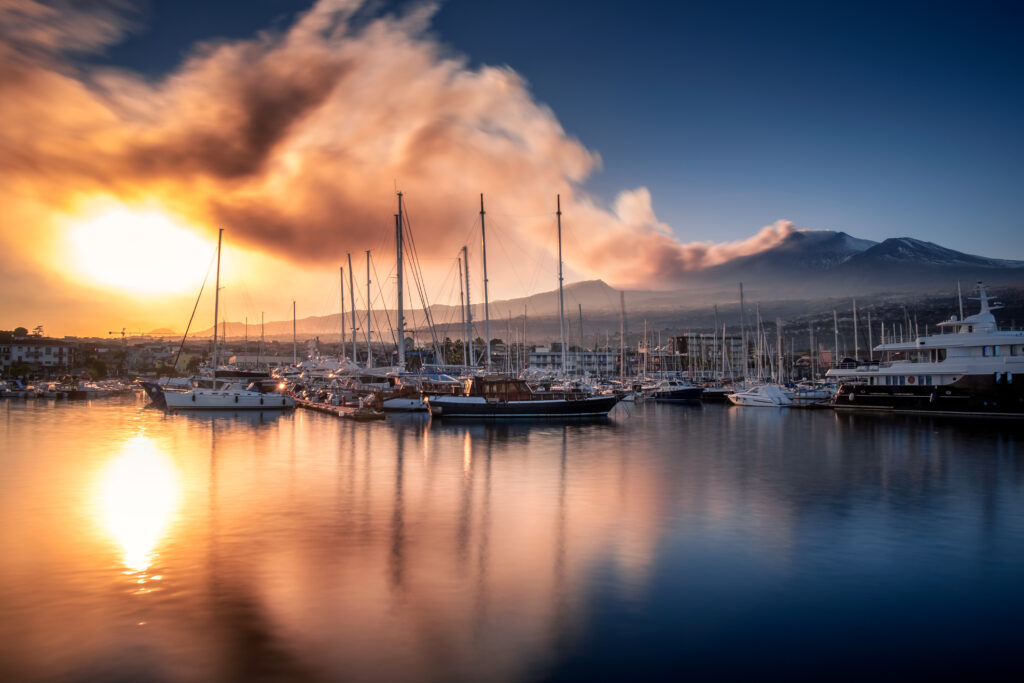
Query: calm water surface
{"points": [[667, 542]]}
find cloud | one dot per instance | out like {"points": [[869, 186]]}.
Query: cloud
{"points": [[293, 141]]}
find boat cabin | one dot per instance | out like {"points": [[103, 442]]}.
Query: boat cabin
{"points": [[499, 387]]}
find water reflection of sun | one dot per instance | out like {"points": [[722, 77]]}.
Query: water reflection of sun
{"points": [[138, 496]]}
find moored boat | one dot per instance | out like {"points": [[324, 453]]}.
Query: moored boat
{"points": [[974, 369], [761, 395], [500, 396]]}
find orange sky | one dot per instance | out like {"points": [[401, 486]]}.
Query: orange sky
{"points": [[294, 142]]}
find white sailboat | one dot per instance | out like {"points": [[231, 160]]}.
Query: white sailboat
{"points": [[229, 389]]}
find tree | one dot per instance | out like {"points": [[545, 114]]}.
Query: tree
{"points": [[96, 368], [20, 332], [37, 331]]}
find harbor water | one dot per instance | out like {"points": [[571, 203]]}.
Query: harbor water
{"points": [[667, 542]]}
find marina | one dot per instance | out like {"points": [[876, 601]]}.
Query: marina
{"points": [[512, 342]]}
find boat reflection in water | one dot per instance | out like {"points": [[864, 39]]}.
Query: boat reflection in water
{"points": [[139, 494], [312, 548]]}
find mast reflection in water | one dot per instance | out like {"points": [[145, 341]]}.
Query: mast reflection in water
{"points": [[720, 542]]}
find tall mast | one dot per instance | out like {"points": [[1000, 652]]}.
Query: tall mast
{"points": [[579, 351], [295, 339], [810, 330], [216, 301], [462, 307], [260, 352], [871, 348], [341, 276], [352, 300], [469, 309], [561, 294], [835, 331], [622, 335], [714, 347], [778, 341], [401, 315], [757, 345], [487, 311], [856, 342], [369, 312], [959, 297], [743, 334], [526, 358]]}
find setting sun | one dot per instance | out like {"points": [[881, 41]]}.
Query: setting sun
{"points": [[141, 250]]}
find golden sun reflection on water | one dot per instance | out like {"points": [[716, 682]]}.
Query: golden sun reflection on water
{"points": [[138, 496]]}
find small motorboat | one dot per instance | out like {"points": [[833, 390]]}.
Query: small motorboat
{"points": [[765, 395]]}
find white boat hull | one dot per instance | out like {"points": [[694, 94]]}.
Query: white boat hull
{"points": [[405, 405], [227, 400]]}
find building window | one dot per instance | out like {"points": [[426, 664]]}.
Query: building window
{"points": [[995, 350], [986, 350]]}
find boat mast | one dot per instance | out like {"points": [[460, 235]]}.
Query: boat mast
{"points": [[216, 301], [743, 335], [757, 345], [295, 340], [778, 341], [352, 300], [714, 349], [835, 331], [260, 352], [469, 309], [856, 342], [369, 312], [561, 295], [579, 351], [341, 275], [871, 348], [810, 328], [462, 307], [622, 336], [487, 311], [401, 315]]}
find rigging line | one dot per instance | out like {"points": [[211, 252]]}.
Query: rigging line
{"points": [[387, 316], [191, 317], [419, 280]]}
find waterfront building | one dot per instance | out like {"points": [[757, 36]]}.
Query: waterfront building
{"points": [[39, 354], [702, 354], [602, 363]]}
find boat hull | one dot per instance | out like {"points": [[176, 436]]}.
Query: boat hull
{"points": [[405, 405], [973, 395], [226, 400], [476, 407], [687, 395]]}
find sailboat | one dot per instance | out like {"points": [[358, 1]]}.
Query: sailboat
{"points": [[503, 396], [228, 389]]}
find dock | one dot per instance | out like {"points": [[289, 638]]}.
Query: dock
{"points": [[348, 412]]}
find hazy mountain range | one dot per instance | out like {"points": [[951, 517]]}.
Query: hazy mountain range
{"points": [[805, 267]]}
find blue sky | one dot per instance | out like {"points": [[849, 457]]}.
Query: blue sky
{"points": [[879, 119]]}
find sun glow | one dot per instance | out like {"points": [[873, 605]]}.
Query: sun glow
{"points": [[140, 250], [138, 496]]}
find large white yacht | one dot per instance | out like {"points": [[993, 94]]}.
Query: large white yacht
{"points": [[972, 368]]}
